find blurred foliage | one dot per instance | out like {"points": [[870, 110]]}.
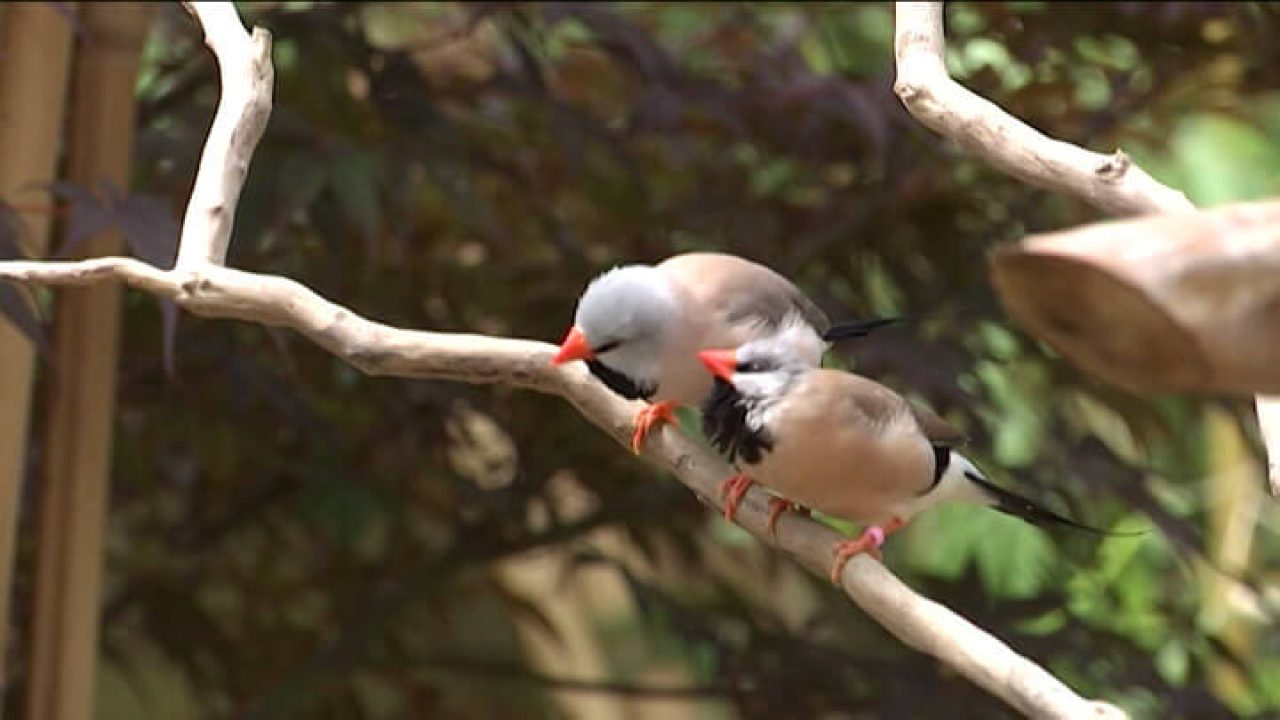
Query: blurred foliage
{"points": [[289, 538]]}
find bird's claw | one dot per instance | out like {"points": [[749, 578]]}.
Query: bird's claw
{"points": [[778, 506], [647, 419], [733, 489], [869, 542]]}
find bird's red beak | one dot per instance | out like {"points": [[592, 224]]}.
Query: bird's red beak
{"points": [[574, 347], [720, 363]]}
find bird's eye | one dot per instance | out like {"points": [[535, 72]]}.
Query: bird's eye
{"points": [[750, 366], [606, 347]]}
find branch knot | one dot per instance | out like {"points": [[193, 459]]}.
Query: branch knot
{"points": [[1113, 168]]}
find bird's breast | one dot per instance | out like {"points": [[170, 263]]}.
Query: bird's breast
{"points": [[841, 469]]}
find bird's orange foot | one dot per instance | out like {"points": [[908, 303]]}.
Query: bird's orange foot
{"points": [[777, 506], [868, 542], [648, 418], [733, 489]]}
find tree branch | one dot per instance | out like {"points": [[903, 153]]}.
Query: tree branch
{"points": [[246, 75], [1110, 182], [379, 349], [201, 286]]}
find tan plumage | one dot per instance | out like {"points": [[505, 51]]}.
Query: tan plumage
{"points": [[839, 443], [640, 328], [741, 292], [724, 301], [850, 448]]}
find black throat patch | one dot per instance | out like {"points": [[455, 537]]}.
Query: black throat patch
{"points": [[941, 461], [724, 422], [619, 383]]}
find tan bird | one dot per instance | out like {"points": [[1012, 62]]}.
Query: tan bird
{"points": [[838, 443], [640, 327]]}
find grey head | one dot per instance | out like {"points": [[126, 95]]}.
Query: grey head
{"points": [[626, 315]]}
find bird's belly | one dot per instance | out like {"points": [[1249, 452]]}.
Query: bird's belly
{"points": [[867, 487]]}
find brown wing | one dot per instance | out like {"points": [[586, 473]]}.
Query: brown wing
{"points": [[939, 431], [882, 407], [741, 290]]}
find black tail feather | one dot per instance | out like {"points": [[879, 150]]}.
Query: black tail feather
{"points": [[856, 329], [1018, 506]]}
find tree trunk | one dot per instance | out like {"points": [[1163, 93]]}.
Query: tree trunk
{"points": [[35, 42], [73, 501]]}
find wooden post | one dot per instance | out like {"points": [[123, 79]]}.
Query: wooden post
{"points": [[35, 56], [1181, 302], [80, 415]]}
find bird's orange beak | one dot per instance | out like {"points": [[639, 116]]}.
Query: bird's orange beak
{"points": [[720, 363], [574, 347]]}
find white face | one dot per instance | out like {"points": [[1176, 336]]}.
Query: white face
{"points": [[761, 381], [626, 314], [767, 366]]}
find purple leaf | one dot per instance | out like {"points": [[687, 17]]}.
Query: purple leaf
{"points": [[150, 229], [69, 191], [14, 303], [11, 227], [18, 310], [110, 191], [88, 217]]}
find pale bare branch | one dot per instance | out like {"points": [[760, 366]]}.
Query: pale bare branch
{"points": [[1111, 182], [379, 349], [246, 76]]}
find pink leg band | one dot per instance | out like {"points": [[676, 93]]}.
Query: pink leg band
{"points": [[876, 534]]}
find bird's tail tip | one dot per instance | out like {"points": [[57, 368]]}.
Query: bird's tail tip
{"points": [[858, 328], [1024, 508]]}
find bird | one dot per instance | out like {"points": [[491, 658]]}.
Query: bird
{"points": [[639, 327], [839, 443]]}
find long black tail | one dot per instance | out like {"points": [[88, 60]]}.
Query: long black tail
{"points": [[1018, 506], [859, 328]]}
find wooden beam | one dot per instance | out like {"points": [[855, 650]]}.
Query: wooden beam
{"points": [[81, 402], [1181, 302], [35, 44]]}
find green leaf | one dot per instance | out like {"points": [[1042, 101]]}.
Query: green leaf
{"points": [[1013, 557], [1047, 624], [1173, 662], [1223, 160], [1018, 391], [940, 542]]}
